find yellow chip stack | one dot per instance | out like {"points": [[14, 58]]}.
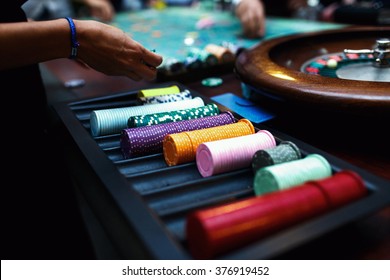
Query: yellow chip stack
{"points": [[181, 147], [158, 91]]}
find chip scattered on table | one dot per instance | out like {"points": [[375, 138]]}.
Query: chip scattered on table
{"points": [[212, 82]]}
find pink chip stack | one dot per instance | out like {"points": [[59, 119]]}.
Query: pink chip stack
{"points": [[225, 155]]}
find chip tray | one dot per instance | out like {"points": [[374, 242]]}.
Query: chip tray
{"points": [[141, 203]]}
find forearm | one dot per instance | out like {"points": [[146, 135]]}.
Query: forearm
{"points": [[103, 47], [26, 43]]}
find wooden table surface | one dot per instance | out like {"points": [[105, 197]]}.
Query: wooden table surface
{"points": [[367, 147]]}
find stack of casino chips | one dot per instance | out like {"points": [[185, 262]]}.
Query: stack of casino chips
{"points": [[183, 95], [292, 173], [233, 47], [196, 58], [150, 92], [111, 121], [284, 152], [147, 140], [231, 154], [173, 116], [191, 63], [181, 147], [206, 58], [172, 66], [217, 230], [223, 54]]}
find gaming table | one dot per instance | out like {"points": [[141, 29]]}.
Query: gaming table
{"points": [[353, 139]]}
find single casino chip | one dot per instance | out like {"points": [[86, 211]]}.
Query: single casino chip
{"points": [[205, 23], [212, 82]]}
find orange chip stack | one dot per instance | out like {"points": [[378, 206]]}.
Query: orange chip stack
{"points": [[181, 147]]}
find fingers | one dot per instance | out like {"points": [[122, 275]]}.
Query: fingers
{"points": [[254, 29], [148, 72], [151, 59], [148, 64], [133, 60], [252, 16], [253, 25], [111, 51]]}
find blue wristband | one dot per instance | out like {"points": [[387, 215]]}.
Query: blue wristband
{"points": [[73, 39]]}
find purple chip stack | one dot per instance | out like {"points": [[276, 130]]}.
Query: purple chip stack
{"points": [[146, 140]]}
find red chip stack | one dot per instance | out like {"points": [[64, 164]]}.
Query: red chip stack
{"points": [[211, 232]]}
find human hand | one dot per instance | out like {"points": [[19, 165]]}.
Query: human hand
{"points": [[252, 17], [109, 50]]}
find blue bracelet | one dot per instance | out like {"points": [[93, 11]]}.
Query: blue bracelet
{"points": [[73, 38]]}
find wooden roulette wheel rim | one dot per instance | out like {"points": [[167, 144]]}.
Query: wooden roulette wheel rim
{"points": [[273, 67]]}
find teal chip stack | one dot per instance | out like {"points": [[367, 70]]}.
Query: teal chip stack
{"points": [[289, 174], [173, 116], [111, 121]]}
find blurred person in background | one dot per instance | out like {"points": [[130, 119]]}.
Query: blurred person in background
{"points": [[375, 12], [52, 9]]}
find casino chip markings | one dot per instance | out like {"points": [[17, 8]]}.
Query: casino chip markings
{"points": [[212, 82]]}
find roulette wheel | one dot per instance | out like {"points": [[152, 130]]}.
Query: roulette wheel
{"points": [[345, 70]]}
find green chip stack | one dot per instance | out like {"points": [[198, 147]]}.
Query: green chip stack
{"points": [[173, 116], [292, 173]]}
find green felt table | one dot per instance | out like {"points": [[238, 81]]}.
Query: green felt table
{"points": [[167, 30]]}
